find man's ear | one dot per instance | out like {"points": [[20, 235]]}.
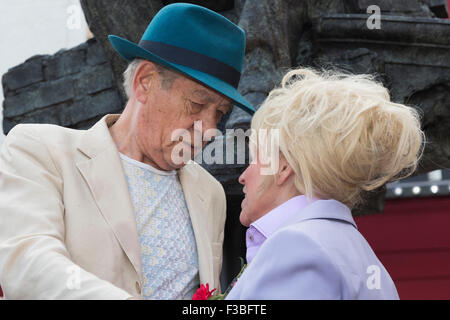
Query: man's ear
{"points": [[285, 171], [143, 79]]}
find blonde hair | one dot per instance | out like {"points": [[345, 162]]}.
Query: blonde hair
{"points": [[340, 133]]}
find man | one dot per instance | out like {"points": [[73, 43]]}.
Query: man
{"points": [[109, 213]]}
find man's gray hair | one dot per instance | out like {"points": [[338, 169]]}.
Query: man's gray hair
{"points": [[128, 76], [167, 76]]}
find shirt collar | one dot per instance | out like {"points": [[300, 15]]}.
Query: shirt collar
{"points": [[325, 209], [294, 210], [274, 219]]}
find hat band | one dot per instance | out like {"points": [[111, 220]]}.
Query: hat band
{"points": [[194, 60]]}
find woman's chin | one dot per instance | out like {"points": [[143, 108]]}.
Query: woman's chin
{"points": [[243, 218]]}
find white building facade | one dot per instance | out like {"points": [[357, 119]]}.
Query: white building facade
{"points": [[31, 27]]}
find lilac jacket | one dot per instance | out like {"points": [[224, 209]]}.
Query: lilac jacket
{"points": [[317, 254]]}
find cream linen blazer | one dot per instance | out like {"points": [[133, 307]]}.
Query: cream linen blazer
{"points": [[67, 226]]}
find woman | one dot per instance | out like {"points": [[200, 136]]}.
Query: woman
{"points": [[339, 135]]}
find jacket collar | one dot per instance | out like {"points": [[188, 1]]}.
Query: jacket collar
{"points": [[324, 209], [102, 170], [201, 219]]}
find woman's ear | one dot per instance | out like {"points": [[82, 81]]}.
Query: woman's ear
{"points": [[143, 80], [285, 171]]}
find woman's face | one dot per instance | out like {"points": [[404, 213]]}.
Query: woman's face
{"points": [[255, 203]]}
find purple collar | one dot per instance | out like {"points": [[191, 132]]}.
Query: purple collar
{"points": [[294, 210], [270, 222], [265, 226]]}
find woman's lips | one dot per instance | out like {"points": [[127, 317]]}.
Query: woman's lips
{"points": [[242, 203]]}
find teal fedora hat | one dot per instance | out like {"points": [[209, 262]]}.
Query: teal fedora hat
{"points": [[196, 42]]}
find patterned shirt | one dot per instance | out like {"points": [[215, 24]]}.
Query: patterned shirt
{"points": [[168, 248]]}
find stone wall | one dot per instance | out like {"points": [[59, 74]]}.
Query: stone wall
{"points": [[72, 88]]}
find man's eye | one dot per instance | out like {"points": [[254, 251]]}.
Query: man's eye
{"points": [[196, 107]]}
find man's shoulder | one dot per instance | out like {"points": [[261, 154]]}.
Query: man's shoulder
{"points": [[49, 134], [42, 130]]}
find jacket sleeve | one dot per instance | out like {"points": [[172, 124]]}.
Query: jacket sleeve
{"points": [[290, 265], [34, 262]]}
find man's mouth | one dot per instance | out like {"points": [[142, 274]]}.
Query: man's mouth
{"points": [[194, 149]]}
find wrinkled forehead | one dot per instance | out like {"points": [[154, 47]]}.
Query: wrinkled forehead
{"points": [[207, 95]]}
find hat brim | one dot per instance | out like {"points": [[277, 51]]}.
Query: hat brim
{"points": [[129, 51]]}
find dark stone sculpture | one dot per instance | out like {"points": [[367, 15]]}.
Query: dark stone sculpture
{"points": [[73, 88]]}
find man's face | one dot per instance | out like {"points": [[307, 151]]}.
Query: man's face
{"points": [[177, 107]]}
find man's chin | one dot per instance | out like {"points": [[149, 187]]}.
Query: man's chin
{"points": [[173, 166], [170, 165], [182, 156]]}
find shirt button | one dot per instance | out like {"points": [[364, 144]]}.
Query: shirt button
{"points": [[138, 287], [251, 238]]}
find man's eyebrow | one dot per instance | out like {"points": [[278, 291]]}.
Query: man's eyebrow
{"points": [[203, 94]]}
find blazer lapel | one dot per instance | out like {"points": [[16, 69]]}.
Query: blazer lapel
{"points": [[104, 175], [197, 206]]}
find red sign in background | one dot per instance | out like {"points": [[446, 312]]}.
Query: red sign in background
{"points": [[412, 240]]}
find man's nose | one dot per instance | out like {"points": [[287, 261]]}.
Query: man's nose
{"points": [[242, 178], [209, 123]]}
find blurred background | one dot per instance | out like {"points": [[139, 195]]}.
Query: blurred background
{"points": [[31, 27]]}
